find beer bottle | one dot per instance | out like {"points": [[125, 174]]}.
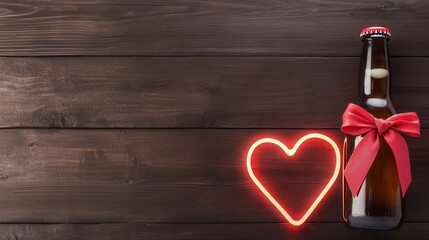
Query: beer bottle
{"points": [[379, 204]]}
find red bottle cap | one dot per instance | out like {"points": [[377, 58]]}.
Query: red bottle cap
{"points": [[375, 32]]}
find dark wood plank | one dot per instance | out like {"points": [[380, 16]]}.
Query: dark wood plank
{"points": [[256, 27], [215, 92], [131, 231], [166, 176]]}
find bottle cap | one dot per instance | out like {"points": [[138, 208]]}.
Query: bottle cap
{"points": [[375, 32]]}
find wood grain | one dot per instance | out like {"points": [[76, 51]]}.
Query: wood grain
{"points": [[245, 27], [134, 231], [194, 92], [170, 176]]}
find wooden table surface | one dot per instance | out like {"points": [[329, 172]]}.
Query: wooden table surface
{"points": [[132, 119]]}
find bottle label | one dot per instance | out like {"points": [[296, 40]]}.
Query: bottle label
{"points": [[377, 73]]}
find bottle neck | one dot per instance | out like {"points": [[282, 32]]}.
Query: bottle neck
{"points": [[375, 72]]}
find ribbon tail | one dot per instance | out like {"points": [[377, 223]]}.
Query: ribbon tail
{"points": [[361, 160], [400, 151]]}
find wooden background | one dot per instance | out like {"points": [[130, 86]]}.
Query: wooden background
{"points": [[130, 119]]}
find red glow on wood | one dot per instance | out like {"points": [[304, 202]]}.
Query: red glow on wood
{"points": [[291, 152]]}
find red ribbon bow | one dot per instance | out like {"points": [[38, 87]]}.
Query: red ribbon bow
{"points": [[357, 121]]}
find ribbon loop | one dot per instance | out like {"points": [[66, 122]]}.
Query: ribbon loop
{"points": [[357, 121]]}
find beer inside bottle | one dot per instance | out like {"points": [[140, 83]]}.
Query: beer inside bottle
{"points": [[379, 204]]}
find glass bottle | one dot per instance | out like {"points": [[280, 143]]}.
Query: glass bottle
{"points": [[379, 204]]}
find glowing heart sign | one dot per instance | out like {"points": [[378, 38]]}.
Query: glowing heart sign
{"points": [[291, 152]]}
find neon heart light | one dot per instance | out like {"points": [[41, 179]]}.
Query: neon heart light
{"points": [[291, 152]]}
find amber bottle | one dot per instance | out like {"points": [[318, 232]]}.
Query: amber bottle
{"points": [[379, 204]]}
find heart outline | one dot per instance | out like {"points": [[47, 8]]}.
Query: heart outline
{"points": [[291, 152]]}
